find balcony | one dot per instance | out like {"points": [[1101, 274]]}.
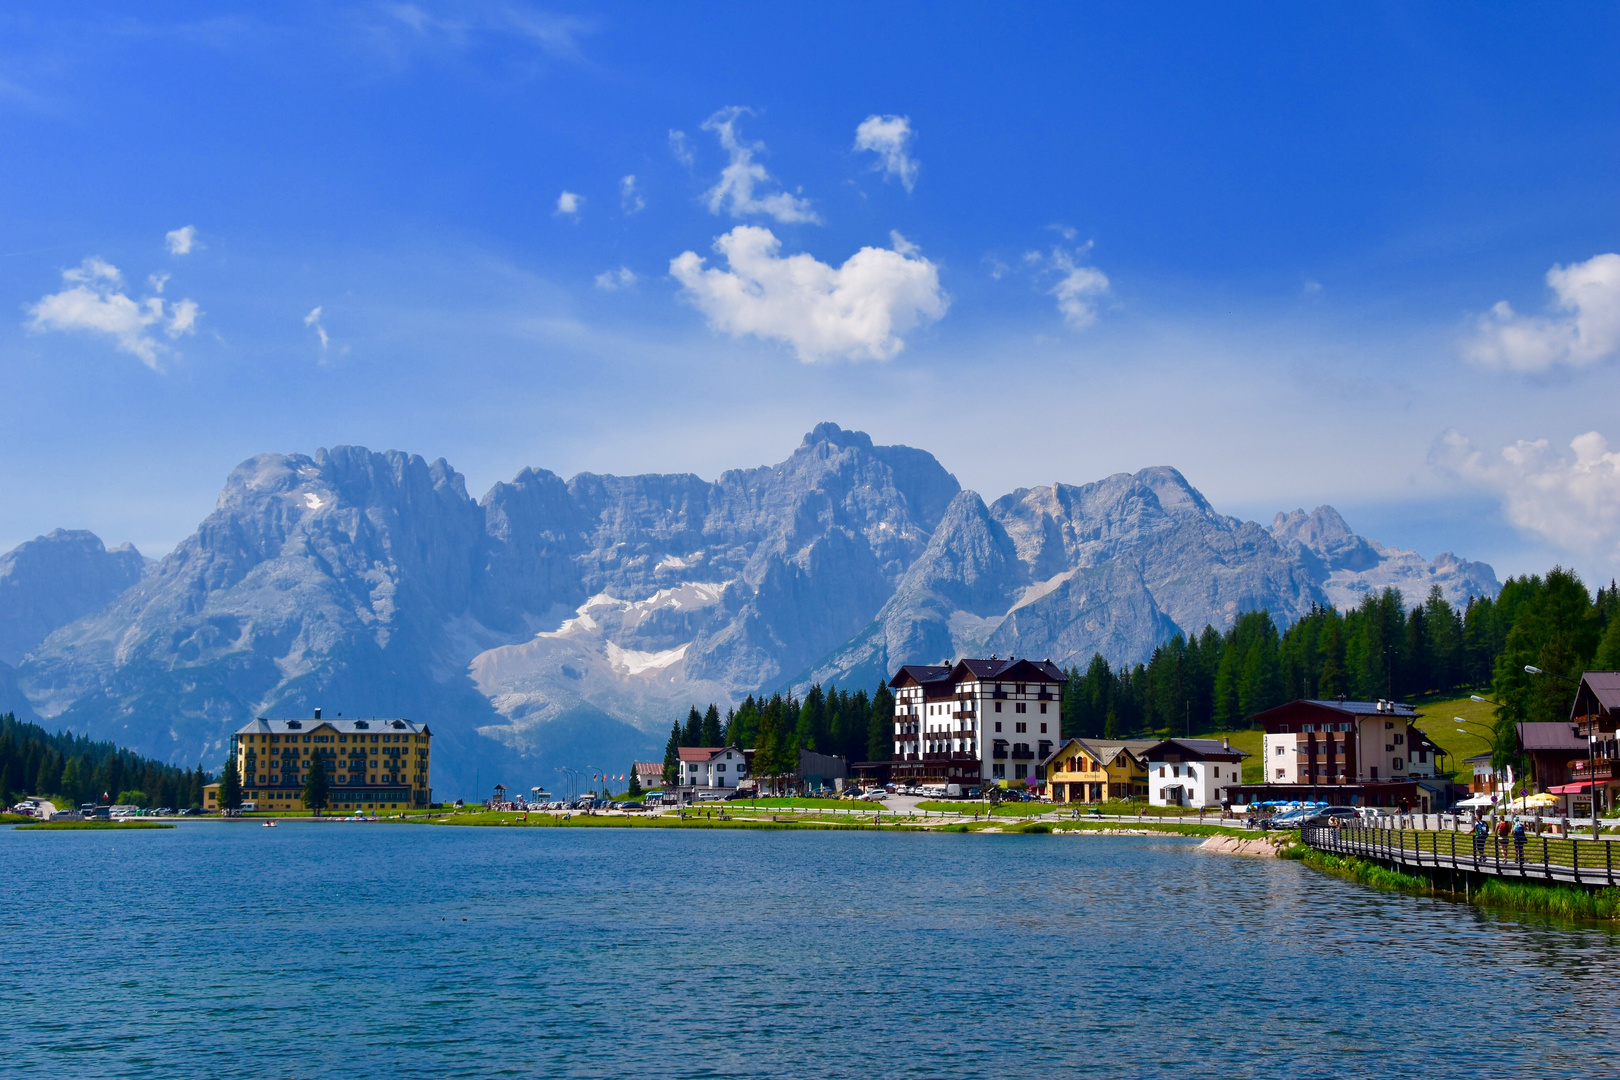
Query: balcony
{"points": [[1601, 769], [1023, 753], [999, 695], [1044, 695]]}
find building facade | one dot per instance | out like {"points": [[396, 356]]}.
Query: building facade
{"points": [[975, 722], [1349, 753], [1097, 770], [712, 766], [370, 764], [1192, 772]]}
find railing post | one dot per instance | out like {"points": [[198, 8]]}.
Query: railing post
{"points": [[1544, 871], [1575, 858]]}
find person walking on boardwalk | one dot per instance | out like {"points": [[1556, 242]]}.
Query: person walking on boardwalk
{"points": [[1501, 837], [1518, 840], [1480, 829]]}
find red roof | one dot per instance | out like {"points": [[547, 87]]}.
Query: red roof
{"points": [[700, 753]]}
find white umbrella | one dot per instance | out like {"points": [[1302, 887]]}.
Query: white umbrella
{"points": [[1477, 802]]}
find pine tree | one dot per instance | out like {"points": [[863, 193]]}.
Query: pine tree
{"points": [[880, 725], [198, 779], [672, 756], [230, 786], [711, 727], [71, 784], [692, 734], [634, 790], [316, 788]]}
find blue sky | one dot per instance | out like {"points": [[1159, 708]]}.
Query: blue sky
{"points": [[1265, 244]]}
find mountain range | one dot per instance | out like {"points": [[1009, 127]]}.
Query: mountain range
{"points": [[562, 622]]}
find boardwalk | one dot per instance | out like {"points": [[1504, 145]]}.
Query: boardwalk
{"points": [[1543, 858]]}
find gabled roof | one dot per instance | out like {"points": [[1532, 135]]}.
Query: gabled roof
{"points": [[701, 753], [1550, 735], [919, 674], [1012, 669], [1599, 693], [1394, 709], [1104, 750], [367, 726], [1198, 748]]}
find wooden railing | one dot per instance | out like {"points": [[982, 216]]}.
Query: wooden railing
{"points": [[1546, 858]]}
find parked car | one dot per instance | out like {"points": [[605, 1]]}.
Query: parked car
{"points": [[191, 811], [875, 796], [1326, 815], [1288, 819]]}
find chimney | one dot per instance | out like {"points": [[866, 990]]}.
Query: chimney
{"points": [[317, 712], [1226, 743]]}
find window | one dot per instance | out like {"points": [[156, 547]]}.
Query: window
{"points": [[719, 768], [1020, 772], [1043, 706], [1020, 727], [998, 722], [998, 771], [1282, 728], [1397, 764], [1217, 772], [1281, 749], [1280, 774], [998, 709], [1019, 707], [1161, 771], [1307, 727], [1043, 726], [1399, 739]]}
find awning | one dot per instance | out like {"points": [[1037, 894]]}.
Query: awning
{"points": [[1570, 789]]}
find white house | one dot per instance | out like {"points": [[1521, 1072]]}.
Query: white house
{"points": [[1192, 772], [712, 766]]}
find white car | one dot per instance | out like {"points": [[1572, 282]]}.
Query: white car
{"points": [[875, 796]]}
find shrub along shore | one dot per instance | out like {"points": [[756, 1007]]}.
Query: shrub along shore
{"points": [[1557, 901]]}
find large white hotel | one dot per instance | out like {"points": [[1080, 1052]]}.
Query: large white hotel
{"points": [[975, 722]]}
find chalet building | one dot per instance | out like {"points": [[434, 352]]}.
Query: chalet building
{"points": [[710, 767], [1595, 716], [649, 774], [1484, 780], [1367, 753], [1097, 770], [1192, 772], [975, 722]]}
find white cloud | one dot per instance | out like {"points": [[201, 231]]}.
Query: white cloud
{"points": [[735, 189], [681, 147], [1583, 329], [889, 137], [860, 310], [630, 200], [313, 319], [157, 281], [614, 280], [1573, 501], [1078, 287], [182, 318], [569, 203], [181, 240], [472, 25], [94, 301]]}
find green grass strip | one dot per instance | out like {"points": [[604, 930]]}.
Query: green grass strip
{"points": [[1556, 901], [121, 826]]}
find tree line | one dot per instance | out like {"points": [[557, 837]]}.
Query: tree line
{"points": [[853, 726], [71, 769], [1379, 649], [1215, 681]]}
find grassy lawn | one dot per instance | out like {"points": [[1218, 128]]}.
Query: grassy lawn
{"points": [[121, 826], [799, 804], [15, 819], [1014, 810], [1437, 724]]}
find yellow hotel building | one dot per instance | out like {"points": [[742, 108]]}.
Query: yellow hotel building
{"points": [[370, 764], [1097, 770]]}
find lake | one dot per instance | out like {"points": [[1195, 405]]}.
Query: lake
{"points": [[316, 949]]}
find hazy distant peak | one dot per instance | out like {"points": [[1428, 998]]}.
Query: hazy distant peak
{"points": [[829, 432]]}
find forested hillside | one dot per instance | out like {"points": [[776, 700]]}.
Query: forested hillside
{"points": [[74, 770]]}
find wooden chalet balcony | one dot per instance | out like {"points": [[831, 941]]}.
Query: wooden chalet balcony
{"points": [[950, 755], [1602, 769]]}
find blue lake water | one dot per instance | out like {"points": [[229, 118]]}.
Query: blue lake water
{"points": [[316, 950]]}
